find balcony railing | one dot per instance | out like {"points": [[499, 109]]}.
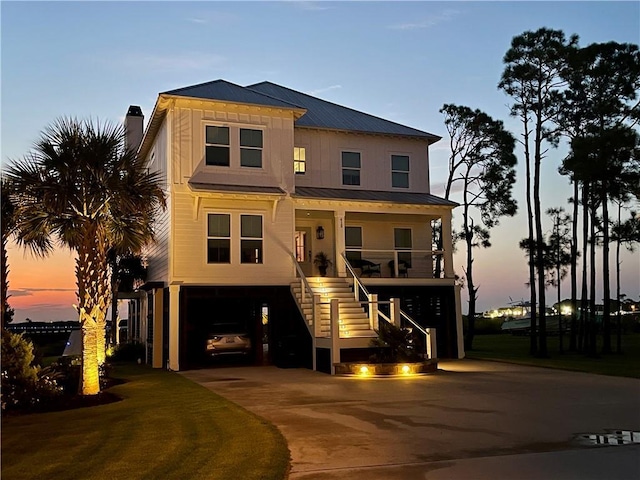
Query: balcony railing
{"points": [[397, 263]]}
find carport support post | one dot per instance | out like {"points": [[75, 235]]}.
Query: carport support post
{"points": [[316, 319], [174, 327], [335, 334], [432, 348]]}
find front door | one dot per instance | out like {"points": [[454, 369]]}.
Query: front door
{"points": [[303, 249]]}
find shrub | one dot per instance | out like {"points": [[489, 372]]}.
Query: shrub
{"points": [[128, 352], [24, 385], [395, 344]]}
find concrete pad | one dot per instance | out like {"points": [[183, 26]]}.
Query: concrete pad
{"points": [[339, 427]]}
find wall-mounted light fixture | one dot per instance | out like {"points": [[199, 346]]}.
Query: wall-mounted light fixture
{"points": [[320, 232]]}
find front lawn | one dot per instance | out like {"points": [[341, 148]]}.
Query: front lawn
{"points": [[165, 427], [515, 349]]}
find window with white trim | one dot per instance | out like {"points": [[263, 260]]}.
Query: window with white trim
{"points": [[250, 148], [251, 238], [400, 171], [217, 146], [350, 168], [218, 238], [299, 160]]}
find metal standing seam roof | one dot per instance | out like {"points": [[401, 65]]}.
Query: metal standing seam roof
{"points": [[372, 196], [229, 92], [219, 187], [324, 114]]}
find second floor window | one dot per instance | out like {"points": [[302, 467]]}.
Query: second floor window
{"points": [[218, 238], [217, 146], [250, 238], [400, 171], [250, 148], [299, 160], [350, 168]]}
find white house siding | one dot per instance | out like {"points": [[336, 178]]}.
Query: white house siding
{"points": [[190, 120], [189, 247], [324, 164], [158, 252]]}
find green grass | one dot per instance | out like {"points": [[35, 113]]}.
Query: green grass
{"points": [[165, 427], [515, 349]]}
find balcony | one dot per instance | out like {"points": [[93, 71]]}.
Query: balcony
{"points": [[399, 264]]}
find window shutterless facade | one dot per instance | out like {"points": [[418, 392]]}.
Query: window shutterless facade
{"points": [[217, 146], [299, 160], [251, 238], [250, 148], [400, 171], [350, 168], [218, 238]]}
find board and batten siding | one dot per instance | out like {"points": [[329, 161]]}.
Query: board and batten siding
{"points": [[157, 253], [324, 159], [189, 246], [189, 144]]}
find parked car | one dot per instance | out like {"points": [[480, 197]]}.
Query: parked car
{"points": [[227, 340]]}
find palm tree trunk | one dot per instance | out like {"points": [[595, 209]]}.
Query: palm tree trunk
{"points": [[4, 282], [90, 383]]}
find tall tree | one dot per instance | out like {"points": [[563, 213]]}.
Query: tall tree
{"points": [[560, 252], [482, 159], [532, 78], [603, 84], [7, 225], [80, 188]]}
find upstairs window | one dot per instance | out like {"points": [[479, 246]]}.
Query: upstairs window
{"points": [[299, 160], [250, 238], [217, 146], [218, 238], [350, 168], [250, 148], [400, 171]]}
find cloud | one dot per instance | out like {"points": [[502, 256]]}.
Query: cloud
{"points": [[174, 62], [26, 292], [325, 89], [432, 21]]}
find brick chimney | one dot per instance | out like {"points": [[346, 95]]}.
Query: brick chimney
{"points": [[134, 128]]}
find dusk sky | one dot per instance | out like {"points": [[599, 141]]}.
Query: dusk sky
{"points": [[398, 60]]}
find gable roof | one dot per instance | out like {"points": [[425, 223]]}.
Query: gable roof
{"points": [[324, 114], [229, 92]]}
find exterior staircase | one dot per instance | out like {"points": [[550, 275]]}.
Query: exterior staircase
{"points": [[353, 320]]}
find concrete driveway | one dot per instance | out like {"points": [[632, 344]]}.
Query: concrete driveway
{"points": [[472, 419]]}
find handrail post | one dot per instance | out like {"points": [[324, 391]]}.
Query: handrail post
{"points": [[432, 348], [335, 334], [394, 312], [317, 314], [373, 311]]}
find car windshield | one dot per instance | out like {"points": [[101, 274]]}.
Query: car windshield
{"points": [[226, 328]]}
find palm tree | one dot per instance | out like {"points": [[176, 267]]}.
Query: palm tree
{"points": [[80, 188], [8, 225]]}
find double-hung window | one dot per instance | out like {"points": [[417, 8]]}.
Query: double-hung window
{"points": [[350, 168], [353, 243], [400, 171], [250, 148], [299, 160], [250, 238], [218, 238], [402, 241], [217, 146]]}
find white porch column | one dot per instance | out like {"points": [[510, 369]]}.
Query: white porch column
{"points": [[158, 297], [447, 244], [341, 269], [394, 311], [459, 331], [174, 327]]}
